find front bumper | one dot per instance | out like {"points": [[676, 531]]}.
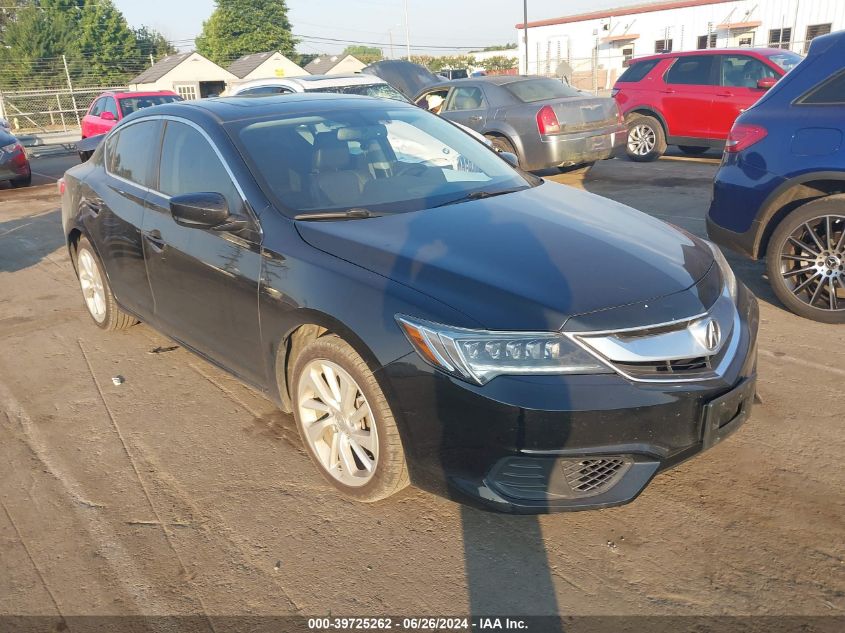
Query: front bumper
{"points": [[563, 150], [517, 443]]}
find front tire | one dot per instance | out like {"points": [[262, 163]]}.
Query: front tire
{"points": [[501, 144], [96, 292], [345, 422], [646, 138], [805, 260]]}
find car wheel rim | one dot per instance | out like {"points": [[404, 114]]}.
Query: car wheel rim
{"points": [[641, 140], [338, 422], [92, 286], [812, 262]]}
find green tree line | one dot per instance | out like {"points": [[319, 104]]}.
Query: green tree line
{"points": [[93, 35]]}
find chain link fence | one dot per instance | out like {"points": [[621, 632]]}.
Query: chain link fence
{"points": [[48, 110]]}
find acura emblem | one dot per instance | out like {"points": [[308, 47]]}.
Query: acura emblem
{"points": [[712, 335]]}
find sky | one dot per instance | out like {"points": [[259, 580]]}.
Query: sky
{"points": [[433, 23]]}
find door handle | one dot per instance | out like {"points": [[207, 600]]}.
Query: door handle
{"points": [[155, 239], [724, 94], [475, 117], [668, 91]]}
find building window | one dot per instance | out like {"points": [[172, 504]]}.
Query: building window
{"points": [[628, 53], [707, 41], [663, 46], [746, 41], [188, 93], [814, 31], [780, 38]]}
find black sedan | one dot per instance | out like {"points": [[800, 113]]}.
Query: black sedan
{"points": [[427, 312]]}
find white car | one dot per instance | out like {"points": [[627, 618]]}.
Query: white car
{"points": [[366, 85]]}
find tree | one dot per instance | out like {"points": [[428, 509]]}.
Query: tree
{"points": [[367, 54], [151, 42], [105, 50], [499, 62], [240, 27]]}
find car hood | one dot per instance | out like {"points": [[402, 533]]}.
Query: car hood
{"points": [[528, 260], [407, 77]]}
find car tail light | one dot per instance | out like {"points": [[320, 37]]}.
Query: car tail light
{"points": [[547, 122], [60, 184], [614, 92], [743, 136]]}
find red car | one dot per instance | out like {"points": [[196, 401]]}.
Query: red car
{"points": [[110, 107], [692, 99]]}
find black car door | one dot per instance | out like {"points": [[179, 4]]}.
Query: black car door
{"points": [[204, 282], [116, 212]]}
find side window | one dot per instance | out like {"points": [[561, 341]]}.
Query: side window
{"points": [[695, 70], [434, 100], [97, 107], [742, 71], [466, 98], [190, 165], [110, 106], [637, 72], [130, 152], [830, 92]]}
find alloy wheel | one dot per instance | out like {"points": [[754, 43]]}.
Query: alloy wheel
{"points": [[91, 283], [812, 262], [338, 422], [641, 139]]}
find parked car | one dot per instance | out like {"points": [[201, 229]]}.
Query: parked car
{"points": [[4, 125], [474, 330], [365, 85], [14, 164], [780, 191], [110, 107], [544, 122], [692, 99], [447, 74]]}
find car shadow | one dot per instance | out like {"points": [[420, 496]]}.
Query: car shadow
{"points": [[25, 241]]}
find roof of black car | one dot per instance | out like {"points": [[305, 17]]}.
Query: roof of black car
{"points": [[234, 108]]}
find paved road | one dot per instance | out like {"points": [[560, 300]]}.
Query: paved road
{"points": [[181, 491]]}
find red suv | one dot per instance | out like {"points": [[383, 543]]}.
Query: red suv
{"points": [[108, 108], [692, 99]]}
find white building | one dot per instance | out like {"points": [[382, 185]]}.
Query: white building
{"points": [[190, 75], [597, 44], [334, 65], [264, 65]]}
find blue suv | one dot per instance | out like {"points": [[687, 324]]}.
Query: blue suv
{"points": [[780, 191]]}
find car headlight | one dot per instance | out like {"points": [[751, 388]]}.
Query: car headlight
{"points": [[728, 275], [479, 356]]}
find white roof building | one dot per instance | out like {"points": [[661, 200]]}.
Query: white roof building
{"points": [[190, 75]]}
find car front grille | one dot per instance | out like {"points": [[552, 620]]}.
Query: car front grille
{"points": [[593, 476]]}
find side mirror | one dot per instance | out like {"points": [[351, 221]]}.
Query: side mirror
{"points": [[107, 116], [511, 159], [766, 83], [200, 210]]}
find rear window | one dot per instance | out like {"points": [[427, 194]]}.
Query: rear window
{"points": [[830, 92], [532, 90], [638, 71], [786, 60], [132, 104]]}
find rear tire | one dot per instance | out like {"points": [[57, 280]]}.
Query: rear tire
{"points": [[345, 421], [693, 151], [805, 260], [96, 293], [646, 138], [502, 144]]}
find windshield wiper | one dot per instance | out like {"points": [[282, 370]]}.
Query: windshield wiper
{"points": [[350, 214], [478, 195]]}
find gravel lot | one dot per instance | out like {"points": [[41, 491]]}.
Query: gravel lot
{"points": [[182, 491]]}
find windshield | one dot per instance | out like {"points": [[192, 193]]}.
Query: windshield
{"points": [[531, 90], [128, 105], [382, 159], [384, 91], [786, 60]]}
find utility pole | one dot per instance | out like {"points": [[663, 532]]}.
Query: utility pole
{"points": [[72, 95], [525, 31], [390, 34], [407, 33]]}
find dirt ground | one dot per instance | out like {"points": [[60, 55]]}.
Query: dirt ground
{"points": [[181, 491]]}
